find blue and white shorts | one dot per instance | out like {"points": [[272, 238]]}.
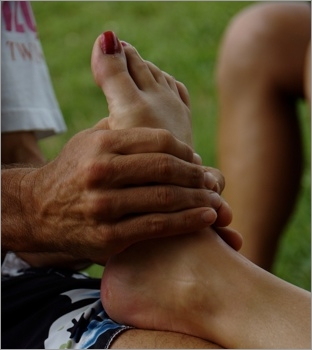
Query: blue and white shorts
{"points": [[53, 309]]}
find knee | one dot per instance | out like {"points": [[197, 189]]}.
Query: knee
{"points": [[250, 49]]}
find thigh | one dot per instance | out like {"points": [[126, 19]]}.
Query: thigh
{"points": [[147, 339]]}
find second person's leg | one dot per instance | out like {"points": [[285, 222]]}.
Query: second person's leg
{"points": [[260, 78]]}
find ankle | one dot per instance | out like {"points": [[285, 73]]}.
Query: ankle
{"points": [[227, 311]]}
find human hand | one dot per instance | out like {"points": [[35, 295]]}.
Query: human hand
{"points": [[214, 180], [109, 189]]}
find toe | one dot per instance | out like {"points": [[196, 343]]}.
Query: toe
{"points": [[183, 92], [139, 69], [109, 67]]}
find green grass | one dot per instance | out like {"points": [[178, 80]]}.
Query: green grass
{"points": [[183, 39]]}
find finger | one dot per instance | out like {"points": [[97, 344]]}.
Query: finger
{"points": [[154, 199], [215, 179], [140, 169], [142, 140], [135, 229]]}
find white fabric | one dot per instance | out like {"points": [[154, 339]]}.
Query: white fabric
{"points": [[28, 102], [12, 265]]}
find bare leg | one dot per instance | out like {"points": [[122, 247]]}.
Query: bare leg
{"points": [[198, 285], [147, 339], [260, 78]]}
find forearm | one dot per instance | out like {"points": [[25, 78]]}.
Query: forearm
{"points": [[23, 230], [18, 151], [20, 157], [20, 148], [18, 233]]}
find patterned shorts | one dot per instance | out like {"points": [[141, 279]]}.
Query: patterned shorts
{"points": [[54, 309]]}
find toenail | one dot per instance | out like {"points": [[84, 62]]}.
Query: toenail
{"points": [[124, 43], [109, 43]]}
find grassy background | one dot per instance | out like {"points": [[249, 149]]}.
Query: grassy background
{"points": [[183, 39]]}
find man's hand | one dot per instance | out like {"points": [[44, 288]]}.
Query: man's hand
{"points": [[109, 189]]}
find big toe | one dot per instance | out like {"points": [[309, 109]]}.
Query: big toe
{"points": [[109, 66]]}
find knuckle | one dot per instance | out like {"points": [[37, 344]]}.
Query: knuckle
{"points": [[164, 138], [105, 208], [103, 140], [90, 172], [187, 220], [193, 175], [165, 196], [109, 235], [108, 173], [197, 198], [100, 208], [109, 240], [165, 167], [205, 197], [109, 141], [196, 175], [98, 172], [159, 224]]}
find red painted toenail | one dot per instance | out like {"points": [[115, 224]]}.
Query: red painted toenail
{"points": [[109, 43]]}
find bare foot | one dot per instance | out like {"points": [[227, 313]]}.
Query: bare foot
{"points": [[138, 93], [165, 285], [197, 285]]}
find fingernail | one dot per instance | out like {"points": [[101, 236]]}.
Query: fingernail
{"points": [[109, 43], [209, 216], [197, 159], [215, 199], [210, 180], [217, 188]]}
